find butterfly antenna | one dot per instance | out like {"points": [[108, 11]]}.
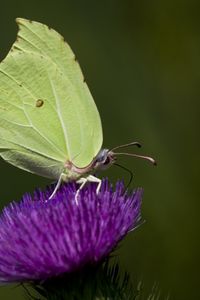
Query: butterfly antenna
{"points": [[127, 170], [148, 158], [126, 145]]}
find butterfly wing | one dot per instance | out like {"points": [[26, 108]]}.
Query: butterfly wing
{"points": [[47, 114]]}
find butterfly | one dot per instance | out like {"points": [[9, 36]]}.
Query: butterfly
{"points": [[49, 123]]}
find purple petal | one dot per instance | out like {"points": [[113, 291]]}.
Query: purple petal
{"points": [[41, 238]]}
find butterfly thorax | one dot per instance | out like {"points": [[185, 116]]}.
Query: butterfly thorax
{"points": [[102, 161]]}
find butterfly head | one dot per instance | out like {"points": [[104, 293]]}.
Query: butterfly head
{"points": [[104, 159]]}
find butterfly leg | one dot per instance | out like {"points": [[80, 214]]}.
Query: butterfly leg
{"points": [[57, 185], [92, 178], [82, 181]]}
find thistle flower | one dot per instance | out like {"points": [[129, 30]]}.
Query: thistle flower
{"points": [[41, 238]]}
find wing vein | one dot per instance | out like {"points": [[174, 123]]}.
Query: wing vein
{"points": [[34, 34], [15, 123], [27, 148], [60, 115]]}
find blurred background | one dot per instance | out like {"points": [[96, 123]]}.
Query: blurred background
{"points": [[141, 60]]}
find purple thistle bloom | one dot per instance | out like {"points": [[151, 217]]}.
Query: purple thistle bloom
{"points": [[41, 238]]}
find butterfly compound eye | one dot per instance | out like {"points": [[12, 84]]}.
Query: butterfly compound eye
{"points": [[107, 161], [39, 103]]}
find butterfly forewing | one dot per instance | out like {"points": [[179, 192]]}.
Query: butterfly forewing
{"points": [[47, 114]]}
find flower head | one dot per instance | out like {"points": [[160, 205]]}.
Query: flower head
{"points": [[41, 238]]}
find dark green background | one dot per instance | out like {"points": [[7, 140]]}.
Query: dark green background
{"points": [[141, 60]]}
